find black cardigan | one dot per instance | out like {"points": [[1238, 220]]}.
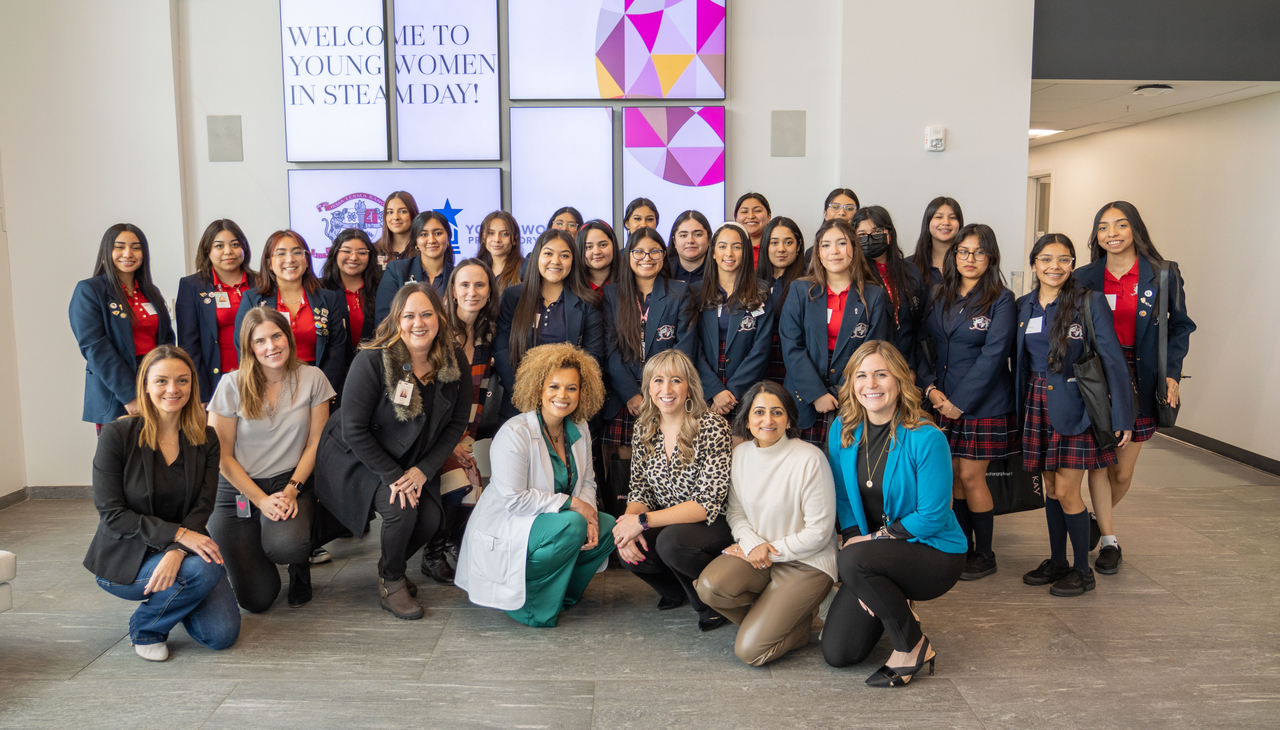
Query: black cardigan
{"points": [[123, 486]]}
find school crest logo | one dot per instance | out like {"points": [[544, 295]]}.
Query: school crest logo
{"points": [[980, 323], [748, 324], [357, 210], [1075, 332], [860, 330], [666, 332]]}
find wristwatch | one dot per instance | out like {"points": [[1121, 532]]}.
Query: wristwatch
{"points": [[643, 519], [297, 485]]}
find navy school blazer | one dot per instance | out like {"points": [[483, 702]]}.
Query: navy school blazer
{"points": [[1146, 336], [973, 355], [910, 303], [332, 339], [104, 332], [668, 326], [584, 323], [746, 349], [197, 323], [1067, 413], [398, 274], [803, 332]]}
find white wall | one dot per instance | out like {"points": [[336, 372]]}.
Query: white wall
{"points": [[89, 135], [13, 471], [1206, 184], [965, 66]]}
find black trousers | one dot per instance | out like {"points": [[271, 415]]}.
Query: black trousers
{"points": [[678, 554], [884, 574], [404, 530], [253, 546]]}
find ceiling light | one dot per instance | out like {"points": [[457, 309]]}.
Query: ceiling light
{"points": [[1038, 133], [1152, 90]]}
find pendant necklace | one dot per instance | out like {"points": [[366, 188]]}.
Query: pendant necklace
{"points": [[871, 470]]}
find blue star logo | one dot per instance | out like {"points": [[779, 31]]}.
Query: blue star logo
{"points": [[451, 214]]}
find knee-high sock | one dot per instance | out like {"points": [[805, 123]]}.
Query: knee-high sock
{"points": [[964, 517], [1078, 526], [1056, 519], [983, 526]]}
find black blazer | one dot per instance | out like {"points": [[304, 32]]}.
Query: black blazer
{"points": [[398, 274], [746, 349], [1067, 413], [668, 326], [584, 323], [196, 315], [973, 355], [104, 332], [910, 303], [332, 339], [813, 371], [363, 441], [1146, 336], [123, 487]]}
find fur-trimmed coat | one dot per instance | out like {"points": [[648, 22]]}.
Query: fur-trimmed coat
{"points": [[363, 442]]}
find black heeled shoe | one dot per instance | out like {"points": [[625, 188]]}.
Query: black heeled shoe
{"points": [[300, 592], [666, 604], [887, 676], [711, 624]]}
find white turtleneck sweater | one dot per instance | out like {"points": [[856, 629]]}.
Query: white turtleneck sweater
{"points": [[784, 495]]}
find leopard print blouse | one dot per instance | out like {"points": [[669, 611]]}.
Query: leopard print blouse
{"points": [[658, 482]]}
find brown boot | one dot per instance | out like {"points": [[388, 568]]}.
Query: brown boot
{"points": [[396, 599]]}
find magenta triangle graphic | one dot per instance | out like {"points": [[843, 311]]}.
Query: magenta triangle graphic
{"points": [[676, 117], [639, 133], [670, 40], [674, 173], [612, 53], [715, 175], [710, 15], [606, 25], [647, 84], [714, 43], [714, 117], [647, 25], [637, 55], [696, 161]]}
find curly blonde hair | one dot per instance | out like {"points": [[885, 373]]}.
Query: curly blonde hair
{"points": [[909, 411], [536, 368], [671, 362]]}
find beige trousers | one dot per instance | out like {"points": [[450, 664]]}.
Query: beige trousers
{"points": [[773, 607]]}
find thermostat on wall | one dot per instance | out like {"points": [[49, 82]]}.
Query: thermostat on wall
{"points": [[935, 138]]}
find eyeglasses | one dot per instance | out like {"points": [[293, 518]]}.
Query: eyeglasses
{"points": [[1060, 260], [639, 255], [562, 226], [877, 236], [837, 207], [361, 254], [964, 255]]}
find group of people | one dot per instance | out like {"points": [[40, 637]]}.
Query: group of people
{"points": [[745, 422]]}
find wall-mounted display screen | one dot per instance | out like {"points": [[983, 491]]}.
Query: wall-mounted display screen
{"points": [[560, 156], [335, 98], [322, 203], [674, 156], [617, 49], [446, 71]]}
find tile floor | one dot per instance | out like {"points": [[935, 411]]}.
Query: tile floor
{"points": [[1187, 635]]}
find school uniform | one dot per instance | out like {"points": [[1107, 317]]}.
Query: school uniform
{"points": [[972, 370], [815, 367], [680, 273], [776, 370], [1133, 299], [206, 321], [903, 321], [568, 319], [666, 326], [113, 344], [402, 272], [733, 351], [324, 308], [1055, 424]]}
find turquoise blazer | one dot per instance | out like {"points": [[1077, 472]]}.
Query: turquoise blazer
{"points": [[917, 485]]}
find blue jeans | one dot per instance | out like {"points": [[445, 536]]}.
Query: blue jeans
{"points": [[200, 598]]}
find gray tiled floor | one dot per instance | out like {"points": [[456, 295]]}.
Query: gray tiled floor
{"points": [[1186, 635]]}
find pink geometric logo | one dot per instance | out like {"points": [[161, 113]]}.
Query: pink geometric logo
{"points": [[680, 144], [660, 49]]}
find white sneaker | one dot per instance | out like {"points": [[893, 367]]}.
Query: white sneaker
{"points": [[152, 652]]}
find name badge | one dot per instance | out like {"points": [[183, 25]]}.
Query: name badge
{"points": [[149, 308], [404, 392], [1111, 301], [1034, 325], [760, 312], [242, 507], [829, 311], [223, 299], [382, 260], [289, 317]]}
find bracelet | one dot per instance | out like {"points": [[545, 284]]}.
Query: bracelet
{"points": [[178, 535]]}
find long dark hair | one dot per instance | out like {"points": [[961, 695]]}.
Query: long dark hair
{"points": [[615, 268], [331, 277], [860, 271], [741, 422], [420, 222], [267, 277], [1068, 300], [1141, 239], [752, 196], [923, 257], [511, 269], [486, 324], [637, 204], [141, 277], [746, 287], [386, 241], [764, 267], [989, 287], [204, 251], [573, 212], [630, 328], [899, 282], [831, 196], [522, 320]]}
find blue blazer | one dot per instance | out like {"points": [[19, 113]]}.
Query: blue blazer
{"points": [[973, 356], [910, 302], [332, 339], [916, 487], [398, 274], [1146, 337], [584, 323], [668, 326], [746, 349], [198, 331], [105, 337], [1067, 413], [803, 331]]}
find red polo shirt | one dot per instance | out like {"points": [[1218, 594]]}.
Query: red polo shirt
{"points": [[355, 313], [1124, 310], [146, 322], [835, 315], [303, 326], [229, 361]]}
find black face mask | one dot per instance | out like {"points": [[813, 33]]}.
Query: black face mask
{"points": [[874, 244]]}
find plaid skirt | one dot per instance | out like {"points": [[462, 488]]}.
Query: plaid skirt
{"points": [[981, 439], [1044, 449], [1145, 427], [720, 371], [617, 430], [817, 433], [777, 369]]}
